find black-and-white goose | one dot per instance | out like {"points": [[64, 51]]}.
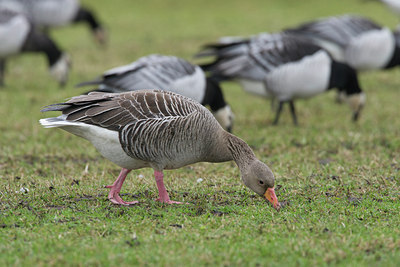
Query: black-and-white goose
{"points": [[54, 13], [284, 67], [157, 129], [355, 40], [18, 35], [168, 73]]}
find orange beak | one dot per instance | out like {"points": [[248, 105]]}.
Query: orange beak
{"points": [[270, 195]]}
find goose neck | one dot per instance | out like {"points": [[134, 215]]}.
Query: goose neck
{"points": [[240, 151]]}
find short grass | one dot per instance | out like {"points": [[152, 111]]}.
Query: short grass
{"points": [[339, 180]]}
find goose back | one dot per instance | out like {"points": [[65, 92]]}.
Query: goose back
{"points": [[155, 71], [355, 40], [339, 29], [277, 65], [45, 12], [253, 58]]}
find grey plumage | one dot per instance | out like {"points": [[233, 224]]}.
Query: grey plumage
{"points": [[357, 41], [7, 15], [339, 30], [254, 57], [149, 72]]}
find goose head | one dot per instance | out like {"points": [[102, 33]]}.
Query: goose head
{"points": [[100, 35], [259, 178], [356, 103], [60, 69], [225, 117]]}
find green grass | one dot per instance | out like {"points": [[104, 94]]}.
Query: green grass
{"points": [[340, 181]]}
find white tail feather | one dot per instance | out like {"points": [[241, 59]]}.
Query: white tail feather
{"points": [[57, 122]]}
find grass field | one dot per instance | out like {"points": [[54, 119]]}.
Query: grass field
{"points": [[340, 180]]}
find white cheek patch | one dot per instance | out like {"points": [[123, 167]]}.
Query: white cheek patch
{"points": [[341, 97], [60, 69], [225, 117], [356, 101]]}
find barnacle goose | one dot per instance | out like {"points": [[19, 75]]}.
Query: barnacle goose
{"points": [[284, 67]]}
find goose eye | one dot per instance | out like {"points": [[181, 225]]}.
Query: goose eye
{"points": [[260, 182]]}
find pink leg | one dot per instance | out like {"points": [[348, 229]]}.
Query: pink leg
{"points": [[113, 196], [162, 192]]}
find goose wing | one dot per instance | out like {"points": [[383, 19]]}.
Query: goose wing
{"points": [[150, 72], [152, 125], [13, 5], [255, 57], [339, 30], [6, 15]]}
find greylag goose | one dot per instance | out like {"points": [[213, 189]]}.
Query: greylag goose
{"points": [[54, 13], [157, 129], [354, 40], [282, 67], [18, 35], [171, 74]]}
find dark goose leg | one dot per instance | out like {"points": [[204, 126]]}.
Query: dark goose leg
{"points": [[2, 70], [293, 112], [278, 112]]}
